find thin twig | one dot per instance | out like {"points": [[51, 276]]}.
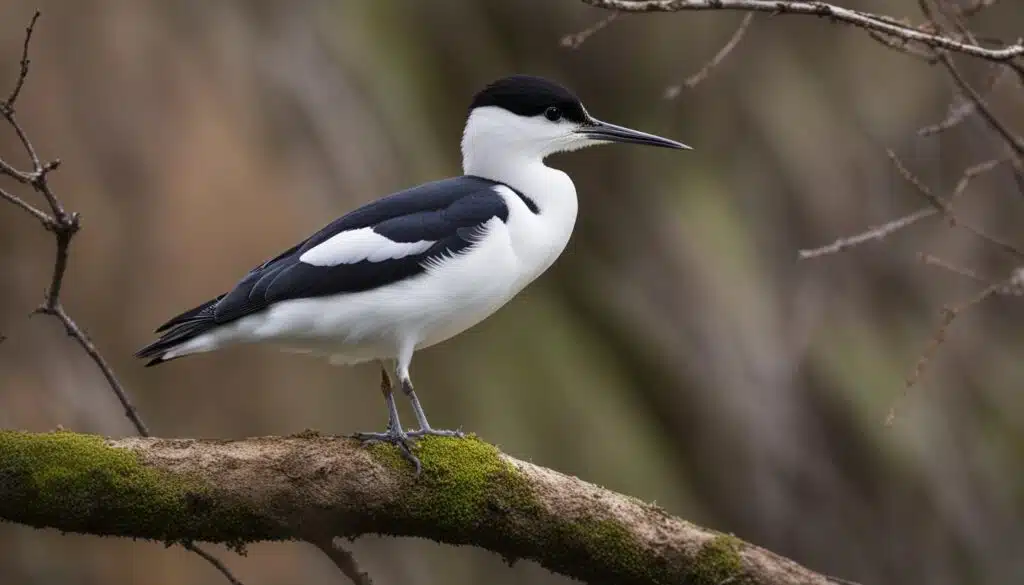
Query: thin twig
{"points": [[574, 40], [916, 182], [973, 172], [946, 208], [930, 260], [857, 18], [344, 560], [949, 314], [43, 218], [959, 112], [64, 226], [905, 46], [74, 331], [958, 19], [879, 233], [972, 9], [217, 563], [1015, 142], [673, 91], [8, 104], [1011, 287], [1012, 139]]}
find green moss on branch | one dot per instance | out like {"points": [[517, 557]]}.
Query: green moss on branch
{"points": [[468, 493], [79, 483], [719, 562], [463, 482]]}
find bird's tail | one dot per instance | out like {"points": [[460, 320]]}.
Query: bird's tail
{"points": [[178, 332]]}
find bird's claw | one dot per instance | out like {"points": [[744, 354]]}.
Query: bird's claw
{"points": [[403, 440], [397, 438]]}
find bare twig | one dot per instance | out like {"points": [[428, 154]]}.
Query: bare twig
{"points": [[905, 46], [857, 18], [673, 91], [75, 332], [968, 10], [920, 187], [930, 260], [217, 563], [879, 233], [64, 226], [8, 104], [949, 314], [972, 173], [574, 40], [929, 8], [43, 218], [344, 560], [1011, 287], [958, 112], [1015, 142], [946, 208]]}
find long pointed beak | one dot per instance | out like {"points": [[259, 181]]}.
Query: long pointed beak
{"points": [[598, 130]]}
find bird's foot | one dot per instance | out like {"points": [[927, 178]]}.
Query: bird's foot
{"points": [[398, 438], [432, 432]]}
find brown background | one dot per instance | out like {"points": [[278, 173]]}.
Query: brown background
{"points": [[678, 351]]}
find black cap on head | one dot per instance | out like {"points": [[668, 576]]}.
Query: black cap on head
{"points": [[526, 95]]}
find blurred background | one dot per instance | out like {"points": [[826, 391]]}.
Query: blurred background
{"points": [[679, 351]]}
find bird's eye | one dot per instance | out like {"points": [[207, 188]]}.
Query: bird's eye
{"points": [[553, 114]]}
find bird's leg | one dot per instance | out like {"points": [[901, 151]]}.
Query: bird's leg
{"points": [[394, 433], [421, 417]]}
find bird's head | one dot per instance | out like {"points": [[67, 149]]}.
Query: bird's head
{"points": [[525, 116]]}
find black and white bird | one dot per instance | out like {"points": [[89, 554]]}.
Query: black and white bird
{"points": [[419, 266]]}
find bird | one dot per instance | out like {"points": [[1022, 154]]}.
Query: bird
{"points": [[422, 265]]}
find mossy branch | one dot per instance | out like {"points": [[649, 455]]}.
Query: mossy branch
{"points": [[312, 488]]}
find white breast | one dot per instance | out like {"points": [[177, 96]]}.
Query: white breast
{"points": [[538, 239], [511, 256]]}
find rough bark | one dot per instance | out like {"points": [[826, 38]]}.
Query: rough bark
{"points": [[311, 487]]}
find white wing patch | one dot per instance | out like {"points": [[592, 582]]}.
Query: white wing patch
{"points": [[360, 244]]}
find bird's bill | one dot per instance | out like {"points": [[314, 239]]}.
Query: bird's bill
{"points": [[598, 130]]}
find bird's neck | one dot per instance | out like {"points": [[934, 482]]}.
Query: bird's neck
{"points": [[550, 189]]}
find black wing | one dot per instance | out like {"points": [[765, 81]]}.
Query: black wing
{"points": [[446, 213]]}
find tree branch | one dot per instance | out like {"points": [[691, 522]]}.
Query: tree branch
{"points": [[865, 20], [344, 560], [308, 486], [692, 81], [935, 207]]}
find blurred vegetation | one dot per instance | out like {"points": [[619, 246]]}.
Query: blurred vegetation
{"points": [[679, 351]]}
